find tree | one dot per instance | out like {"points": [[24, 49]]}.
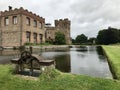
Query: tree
{"points": [[81, 38], [60, 38], [108, 36], [73, 41]]}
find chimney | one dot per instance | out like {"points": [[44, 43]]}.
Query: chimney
{"points": [[10, 8]]}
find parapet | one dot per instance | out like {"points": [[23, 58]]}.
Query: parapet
{"points": [[21, 10], [62, 23]]}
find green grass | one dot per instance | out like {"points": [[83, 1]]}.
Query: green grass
{"points": [[54, 80], [113, 54]]}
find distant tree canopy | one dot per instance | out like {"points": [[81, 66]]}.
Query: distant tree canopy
{"points": [[73, 41], [108, 36], [81, 39], [60, 38]]}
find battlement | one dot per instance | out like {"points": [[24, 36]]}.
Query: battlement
{"points": [[23, 11], [62, 23]]}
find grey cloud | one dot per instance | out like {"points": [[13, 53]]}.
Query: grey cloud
{"points": [[95, 9], [87, 16]]}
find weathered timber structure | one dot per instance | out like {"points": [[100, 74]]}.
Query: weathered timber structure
{"points": [[31, 61]]}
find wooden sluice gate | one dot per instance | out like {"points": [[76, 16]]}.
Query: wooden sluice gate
{"points": [[31, 62]]}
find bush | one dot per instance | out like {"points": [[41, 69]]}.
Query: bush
{"points": [[60, 38], [49, 74]]}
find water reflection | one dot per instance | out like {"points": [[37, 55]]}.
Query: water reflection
{"points": [[82, 49], [100, 53], [83, 60], [63, 62]]}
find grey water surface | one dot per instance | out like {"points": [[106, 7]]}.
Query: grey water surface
{"points": [[85, 60]]}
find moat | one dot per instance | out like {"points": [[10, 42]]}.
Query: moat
{"points": [[84, 60]]}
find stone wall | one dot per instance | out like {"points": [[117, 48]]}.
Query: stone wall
{"points": [[50, 33], [64, 27], [39, 30], [15, 34], [60, 26]]}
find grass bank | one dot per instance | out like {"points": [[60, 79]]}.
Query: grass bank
{"points": [[54, 80], [113, 54]]}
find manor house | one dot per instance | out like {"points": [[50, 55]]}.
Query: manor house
{"points": [[20, 26]]}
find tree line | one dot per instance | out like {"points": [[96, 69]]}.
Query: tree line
{"points": [[105, 36], [83, 39]]}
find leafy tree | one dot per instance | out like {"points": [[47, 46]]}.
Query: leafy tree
{"points": [[108, 36], [81, 38], [60, 38], [73, 41]]}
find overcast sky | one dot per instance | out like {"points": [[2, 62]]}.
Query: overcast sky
{"points": [[87, 16]]}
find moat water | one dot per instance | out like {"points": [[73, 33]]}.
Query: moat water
{"points": [[84, 60]]}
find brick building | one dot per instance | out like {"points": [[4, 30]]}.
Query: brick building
{"points": [[19, 26]]}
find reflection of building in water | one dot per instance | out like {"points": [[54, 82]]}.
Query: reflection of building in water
{"points": [[63, 63], [10, 52]]}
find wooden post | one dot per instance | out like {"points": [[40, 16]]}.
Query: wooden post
{"points": [[31, 69], [31, 50], [21, 67]]}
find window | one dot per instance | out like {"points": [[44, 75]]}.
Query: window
{"points": [[28, 21], [35, 37], [35, 23], [40, 37], [40, 25], [28, 34], [14, 19], [6, 21]]}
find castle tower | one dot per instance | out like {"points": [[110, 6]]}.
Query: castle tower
{"points": [[63, 25]]}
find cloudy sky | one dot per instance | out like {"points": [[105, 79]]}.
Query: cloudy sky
{"points": [[87, 16]]}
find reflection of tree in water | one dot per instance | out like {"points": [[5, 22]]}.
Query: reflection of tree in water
{"points": [[100, 53], [99, 50], [92, 48], [63, 63], [82, 49], [81, 55]]}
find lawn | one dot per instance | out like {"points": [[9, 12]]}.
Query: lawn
{"points": [[54, 80], [113, 54]]}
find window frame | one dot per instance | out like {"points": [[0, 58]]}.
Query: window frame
{"points": [[35, 23], [28, 21], [15, 20], [35, 37], [28, 36], [6, 21]]}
